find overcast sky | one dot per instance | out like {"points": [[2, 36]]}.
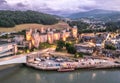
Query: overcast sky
{"points": [[60, 6]]}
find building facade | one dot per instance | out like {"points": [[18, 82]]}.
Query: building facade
{"points": [[74, 31], [7, 49], [49, 35]]}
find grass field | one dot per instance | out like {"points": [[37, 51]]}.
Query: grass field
{"points": [[20, 27]]}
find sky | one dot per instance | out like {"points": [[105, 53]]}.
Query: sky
{"points": [[60, 7]]}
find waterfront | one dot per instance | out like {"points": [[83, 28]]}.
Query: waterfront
{"points": [[25, 74]]}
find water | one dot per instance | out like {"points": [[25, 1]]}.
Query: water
{"points": [[24, 74]]}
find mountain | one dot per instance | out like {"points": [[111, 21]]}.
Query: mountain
{"points": [[11, 18], [97, 14]]}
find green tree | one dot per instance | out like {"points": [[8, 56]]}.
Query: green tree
{"points": [[71, 50], [68, 45], [60, 45], [12, 18], [110, 47], [77, 55]]}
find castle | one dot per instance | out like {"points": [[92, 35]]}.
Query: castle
{"points": [[37, 36]]}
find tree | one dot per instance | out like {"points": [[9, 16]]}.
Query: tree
{"points": [[68, 45], [12, 18], [110, 47], [60, 45], [79, 24], [71, 50], [112, 26], [77, 55]]}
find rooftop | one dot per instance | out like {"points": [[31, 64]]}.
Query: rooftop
{"points": [[3, 42], [85, 44]]}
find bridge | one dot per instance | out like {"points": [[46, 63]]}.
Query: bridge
{"points": [[13, 59], [16, 59]]}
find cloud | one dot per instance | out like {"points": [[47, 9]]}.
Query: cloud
{"points": [[4, 5], [60, 6], [109, 4], [66, 5], [2, 2], [21, 5]]}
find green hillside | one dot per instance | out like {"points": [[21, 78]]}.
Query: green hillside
{"points": [[12, 18]]}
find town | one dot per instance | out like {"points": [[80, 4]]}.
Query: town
{"points": [[60, 49], [54, 41]]}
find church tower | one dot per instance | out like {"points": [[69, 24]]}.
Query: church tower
{"points": [[74, 31]]}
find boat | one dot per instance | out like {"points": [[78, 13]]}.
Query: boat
{"points": [[65, 69]]}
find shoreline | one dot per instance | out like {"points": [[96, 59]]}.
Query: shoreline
{"points": [[59, 63], [97, 67], [5, 67], [90, 67]]}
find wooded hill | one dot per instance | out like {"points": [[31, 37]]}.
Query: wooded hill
{"points": [[12, 18]]}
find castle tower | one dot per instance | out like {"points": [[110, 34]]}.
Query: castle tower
{"points": [[74, 31], [42, 30], [32, 36], [63, 35], [36, 39], [50, 37], [29, 34], [48, 29], [67, 29]]}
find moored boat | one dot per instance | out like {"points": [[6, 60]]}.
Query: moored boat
{"points": [[65, 69]]}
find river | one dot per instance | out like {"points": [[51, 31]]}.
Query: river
{"points": [[23, 74]]}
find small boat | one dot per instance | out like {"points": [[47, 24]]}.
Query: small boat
{"points": [[65, 69]]}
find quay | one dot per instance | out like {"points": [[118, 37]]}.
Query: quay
{"points": [[98, 66], [59, 63], [46, 60]]}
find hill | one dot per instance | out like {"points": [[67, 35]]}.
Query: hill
{"points": [[97, 14], [12, 18], [60, 25]]}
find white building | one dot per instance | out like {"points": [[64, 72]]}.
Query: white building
{"points": [[7, 49], [84, 48]]}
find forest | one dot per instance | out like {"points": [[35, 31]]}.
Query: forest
{"points": [[12, 18]]}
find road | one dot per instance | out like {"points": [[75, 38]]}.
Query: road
{"points": [[20, 58]]}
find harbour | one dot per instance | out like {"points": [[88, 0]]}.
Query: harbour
{"points": [[59, 63]]}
